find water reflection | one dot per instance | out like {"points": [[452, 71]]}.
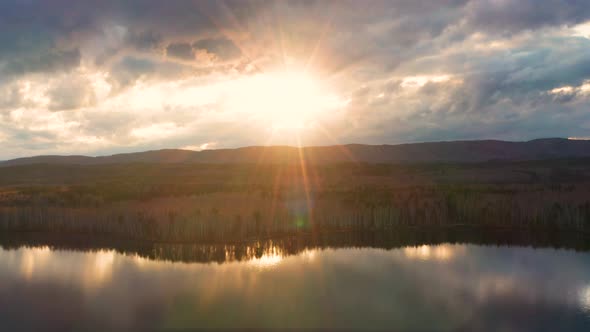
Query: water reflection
{"points": [[439, 252], [35, 256], [415, 244], [585, 297], [267, 260], [42, 263], [443, 286]]}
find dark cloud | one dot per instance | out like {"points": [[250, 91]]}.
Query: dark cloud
{"points": [[144, 40], [222, 48], [49, 61], [509, 16], [183, 51], [503, 58], [130, 69]]}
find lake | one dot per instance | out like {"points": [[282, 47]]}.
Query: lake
{"points": [[423, 287]]}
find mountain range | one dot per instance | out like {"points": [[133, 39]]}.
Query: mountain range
{"points": [[451, 151]]}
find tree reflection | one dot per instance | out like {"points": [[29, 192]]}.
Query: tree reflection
{"points": [[416, 244]]}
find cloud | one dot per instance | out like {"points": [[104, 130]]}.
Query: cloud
{"points": [[223, 49], [512, 16], [129, 70], [410, 69], [71, 93], [10, 97], [144, 40], [48, 61], [183, 51]]}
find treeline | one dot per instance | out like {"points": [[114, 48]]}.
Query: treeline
{"points": [[255, 214], [98, 195]]}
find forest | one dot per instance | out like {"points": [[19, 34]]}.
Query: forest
{"points": [[241, 202]]}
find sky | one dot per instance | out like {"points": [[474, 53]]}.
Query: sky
{"points": [[103, 77]]}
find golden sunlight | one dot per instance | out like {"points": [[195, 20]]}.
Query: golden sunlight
{"points": [[440, 252], [282, 100], [266, 261]]}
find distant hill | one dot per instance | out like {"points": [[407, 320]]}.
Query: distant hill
{"points": [[454, 151]]}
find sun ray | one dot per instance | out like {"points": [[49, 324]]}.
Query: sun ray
{"points": [[326, 29], [306, 189]]}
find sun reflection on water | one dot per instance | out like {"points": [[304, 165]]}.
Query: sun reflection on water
{"points": [[441, 252], [309, 254], [266, 260], [91, 269], [103, 266], [274, 255], [31, 258]]}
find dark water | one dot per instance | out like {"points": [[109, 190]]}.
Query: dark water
{"points": [[436, 286]]}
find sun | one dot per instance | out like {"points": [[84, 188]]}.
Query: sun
{"points": [[282, 100]]}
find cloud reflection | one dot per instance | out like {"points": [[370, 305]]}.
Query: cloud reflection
{"points": [[32, 258], [90, 270], [584, 295], [451, 286]]}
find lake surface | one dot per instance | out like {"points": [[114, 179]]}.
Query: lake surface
{"points": [[444, 287]]}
